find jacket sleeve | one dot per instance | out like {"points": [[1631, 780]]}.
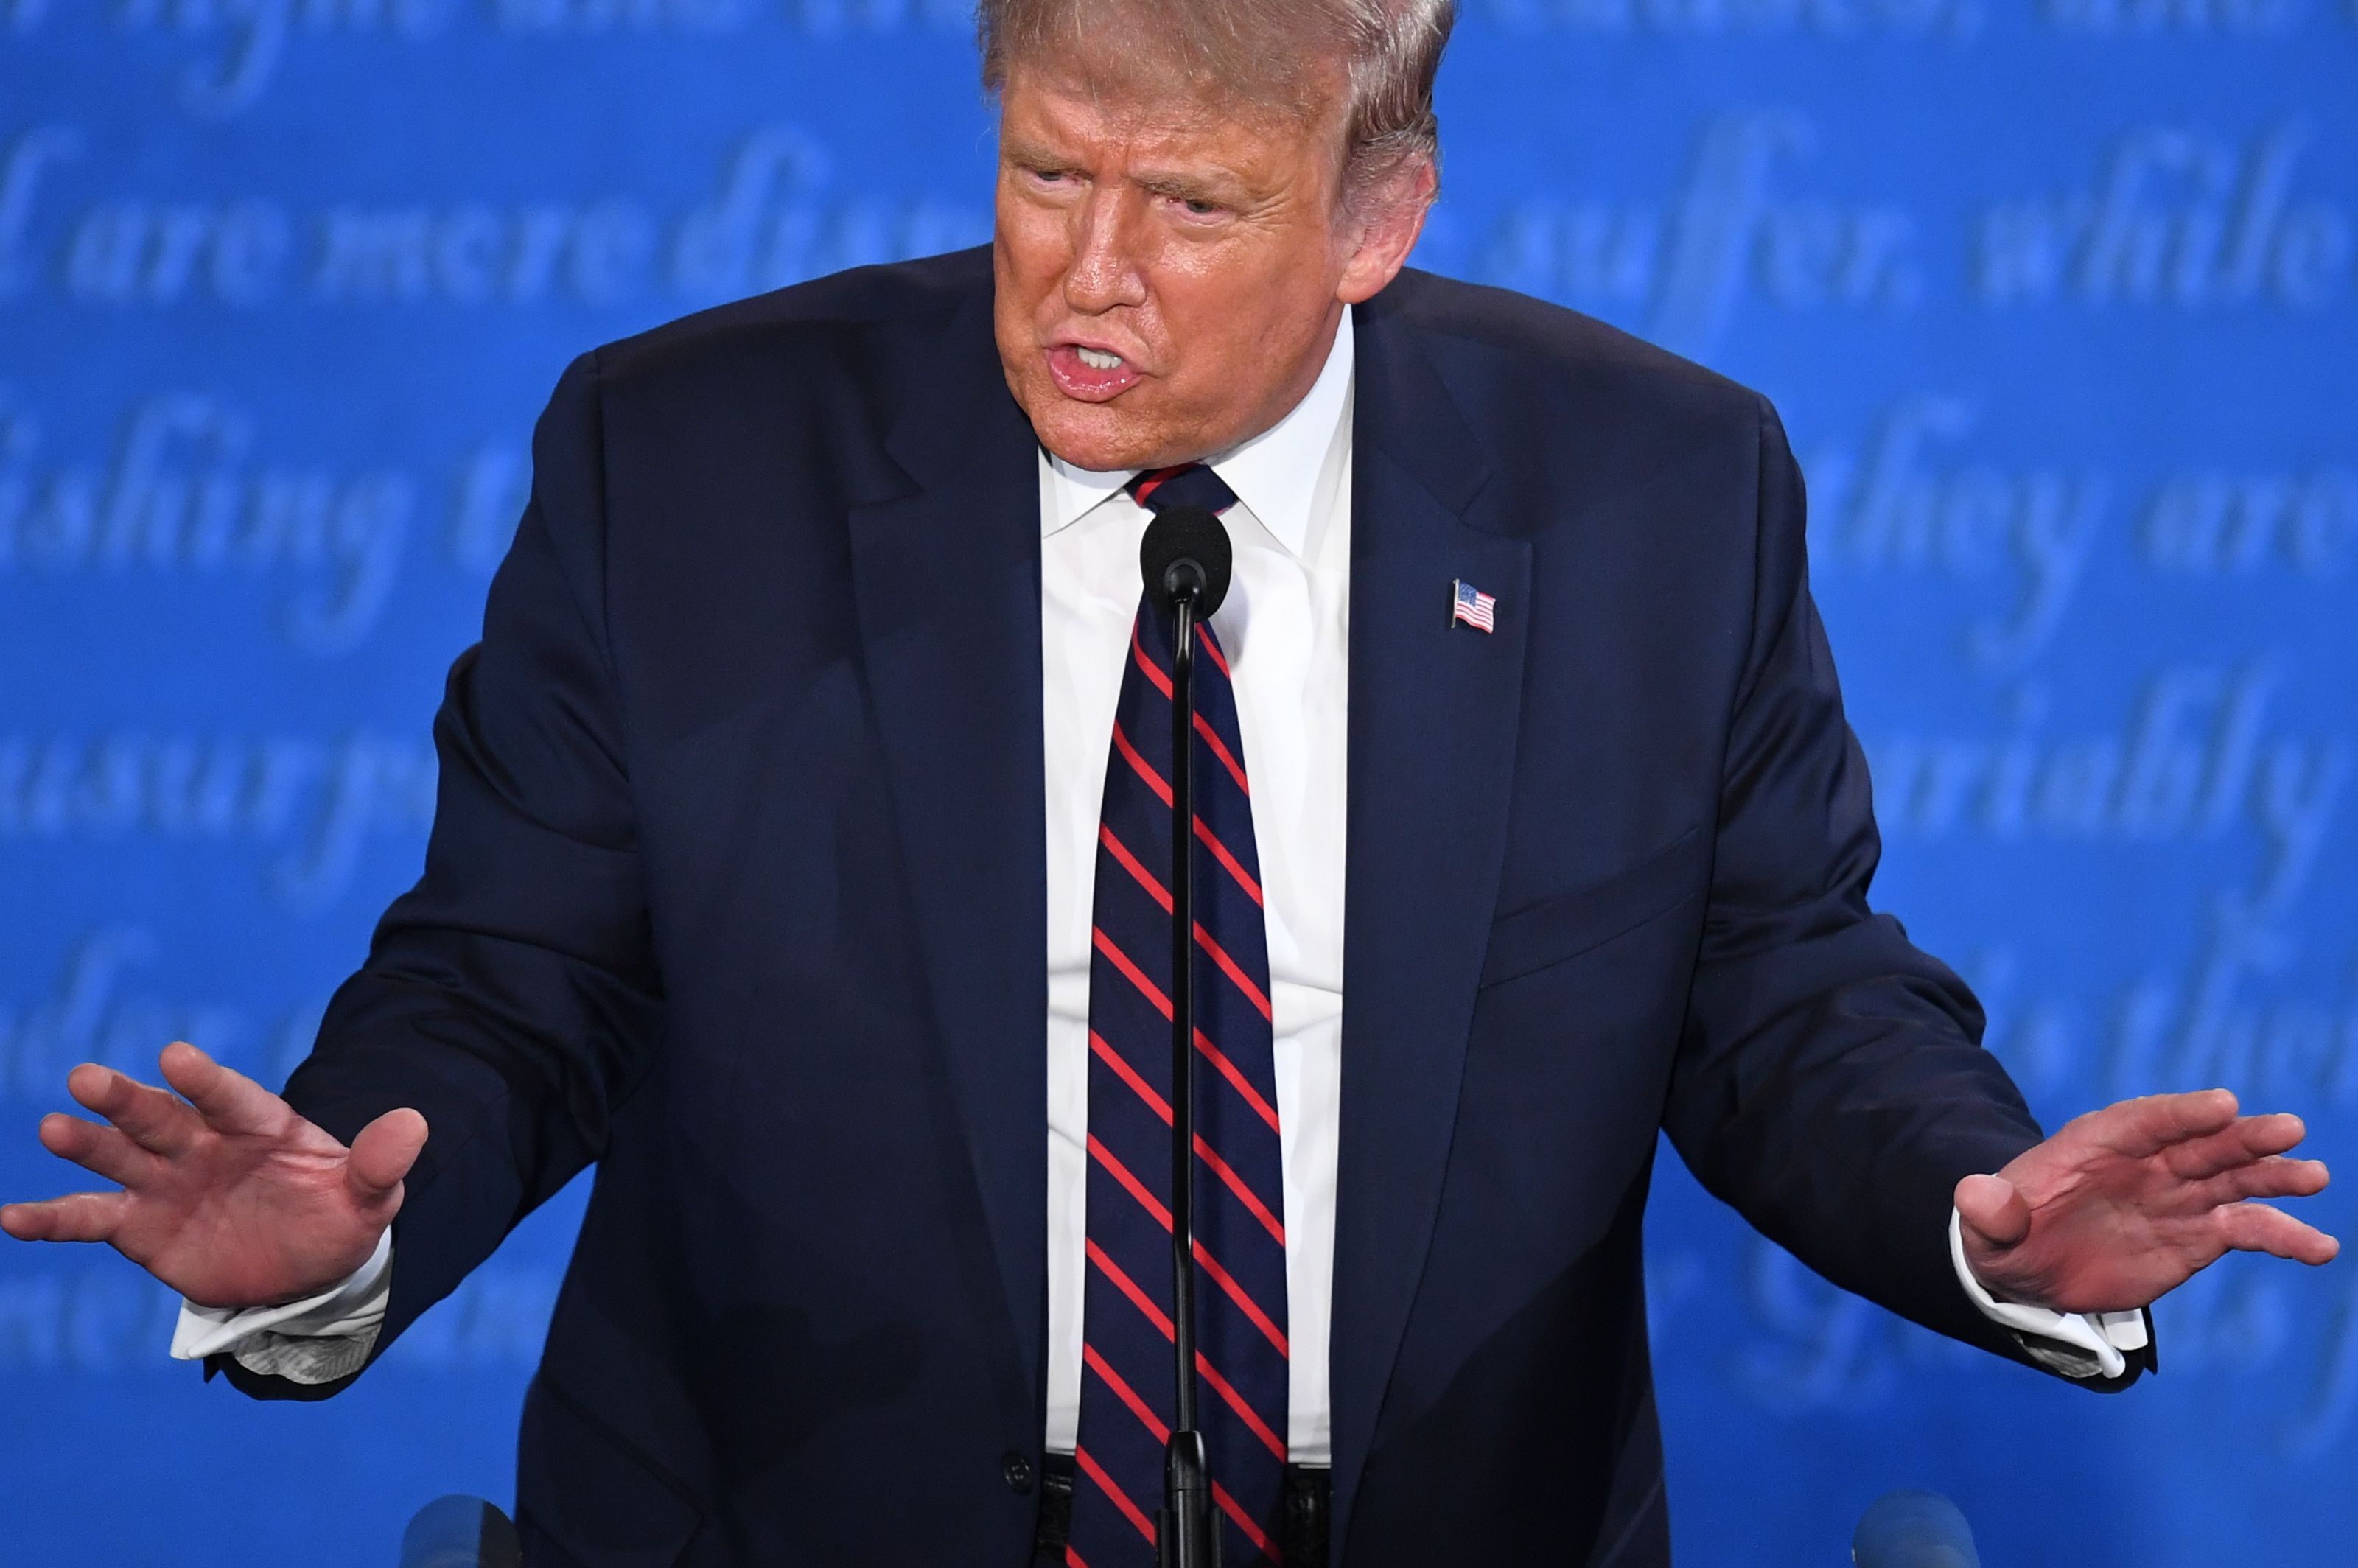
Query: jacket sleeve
{"points": [[512, 995], [1830, 1083]]}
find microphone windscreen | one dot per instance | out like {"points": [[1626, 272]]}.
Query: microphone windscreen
{"points": [[1913, 1529], [461, 1532], [1184, 534]]}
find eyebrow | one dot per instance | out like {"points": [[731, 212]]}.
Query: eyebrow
{"points": [[1222, 186], [1032, 155], [1185, 186]]}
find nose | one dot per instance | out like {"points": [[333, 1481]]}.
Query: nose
{"points": [[1108, 270]]}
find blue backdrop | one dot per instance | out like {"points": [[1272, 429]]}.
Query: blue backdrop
{"points": [[2058, 299]]}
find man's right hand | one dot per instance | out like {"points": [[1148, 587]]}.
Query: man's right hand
{"points": [[227, 1196]]}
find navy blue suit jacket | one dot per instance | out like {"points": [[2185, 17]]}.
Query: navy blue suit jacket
{"points": [[736, 888]]}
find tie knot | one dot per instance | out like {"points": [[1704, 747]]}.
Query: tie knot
{"points": [[1189, 484]]}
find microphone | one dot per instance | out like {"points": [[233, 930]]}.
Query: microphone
{"points": [[1913, 1529], [1186, 552], [460, 1531], [1186, 562]]}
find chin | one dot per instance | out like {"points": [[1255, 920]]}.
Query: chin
{"points": [[1098, 435]]}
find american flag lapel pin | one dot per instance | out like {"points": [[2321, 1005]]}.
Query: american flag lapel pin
{"points": [[1470, 606]]}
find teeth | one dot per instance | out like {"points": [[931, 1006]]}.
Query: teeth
{"points": [[1098, 359]]}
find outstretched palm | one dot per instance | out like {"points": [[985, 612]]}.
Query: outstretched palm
{"points": [[227, 1195], [2126, 1203]]}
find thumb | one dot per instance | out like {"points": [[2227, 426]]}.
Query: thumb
{"points": [[382, 1154], [1993, 1210]]}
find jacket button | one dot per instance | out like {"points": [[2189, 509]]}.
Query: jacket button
{"points": [[1018, 1471]]}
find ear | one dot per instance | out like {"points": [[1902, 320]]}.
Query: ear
{"points": [[1390, 218]]}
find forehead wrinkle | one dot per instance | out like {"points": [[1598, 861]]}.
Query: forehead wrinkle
{"points": [[1140, 70], [1152, 133], [1125, 103], [1152, 150]]}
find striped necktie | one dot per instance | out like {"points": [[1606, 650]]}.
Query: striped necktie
{"points": [[1127, 1376]]}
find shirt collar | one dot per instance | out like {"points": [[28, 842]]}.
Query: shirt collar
{"points": [[1275, 473]]}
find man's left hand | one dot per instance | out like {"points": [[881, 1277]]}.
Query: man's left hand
{"points": [[2126, 1203]]}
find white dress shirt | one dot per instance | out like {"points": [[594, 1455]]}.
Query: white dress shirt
{"points": [[1285, 627]]}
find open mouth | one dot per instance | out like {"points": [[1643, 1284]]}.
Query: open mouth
{"points": [[1091, 374]]}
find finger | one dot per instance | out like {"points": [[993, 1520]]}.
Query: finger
{"points": [[2240, 1142], [383, 1153], [228, 1100], [82, 1216], [1993, 1210], [2141, 1128], [2255, 1227], [2271, 1178], [152, 1118], [102, 1151]]}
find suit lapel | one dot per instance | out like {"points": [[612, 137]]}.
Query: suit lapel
{"points": [[946, 578], [1431, 738]]}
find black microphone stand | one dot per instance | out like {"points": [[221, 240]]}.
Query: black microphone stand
{"points": [[1185, 560], [1184, 1534]]}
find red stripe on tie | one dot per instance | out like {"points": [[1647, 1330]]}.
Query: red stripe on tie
{"points": [[1152, 480], [1162, 1108], [1236, 1513], [1229, 967], [1131, 864], [1236, 1080], [1212, 648], [1211, 1264], [1236, 1401], [1152, 671], [1073, 1559], [1220, 749], [1236, 1183], [1220, 853], [1129, 1287], [1121, 1172], [1145, 770], [1121, 1498], [1128, 1074], [1124, 1392], [1121, 960], [1161, 789], [1163, 1218], [1161, 895], [1245, 1304], [1155, 1205], [1155, 1315]]}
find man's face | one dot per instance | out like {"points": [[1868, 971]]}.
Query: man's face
{"points": [[1169, 280]]}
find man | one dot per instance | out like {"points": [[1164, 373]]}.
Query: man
{"points": [[1532, 826]]}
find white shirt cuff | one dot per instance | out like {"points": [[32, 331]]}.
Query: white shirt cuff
{"points": [[315, 1340], [2078, 1345]]}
